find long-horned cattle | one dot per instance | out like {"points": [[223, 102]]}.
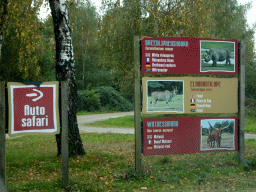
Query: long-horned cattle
{"points": [[163, 96], [215, 136]]}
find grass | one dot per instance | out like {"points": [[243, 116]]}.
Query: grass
{"points": [[217, 45], [208, 67], [121, 122], [128, 122], [32, 165], [250, 125], [176, 105], [95, 112]]}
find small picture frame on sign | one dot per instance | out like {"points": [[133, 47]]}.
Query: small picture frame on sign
{"points": [[165, 96], [217, 134], [217, 56]]}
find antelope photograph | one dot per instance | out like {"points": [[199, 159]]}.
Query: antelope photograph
{"points": [[217, 134], [165, 96]]}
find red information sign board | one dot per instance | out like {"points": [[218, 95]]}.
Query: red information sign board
{"points": [[33, 109], [187, 55], [180, 135]]}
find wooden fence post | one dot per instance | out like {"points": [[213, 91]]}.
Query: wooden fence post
{"points": [[2, 134], [64, 132], [241, 147], [137, 105]]}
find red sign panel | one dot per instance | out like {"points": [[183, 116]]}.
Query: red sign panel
{"points": [[180, 135], [187, 55], [33, 109]]}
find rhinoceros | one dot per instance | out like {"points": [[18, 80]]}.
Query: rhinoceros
{"points": [[163, 96], [218, 55]]}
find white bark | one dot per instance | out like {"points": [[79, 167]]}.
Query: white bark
{"points": [[65, 71], [64, 48], [66, 35]]}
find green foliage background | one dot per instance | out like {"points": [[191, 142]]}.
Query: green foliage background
{"points": [[103, 44], [103, 98]]}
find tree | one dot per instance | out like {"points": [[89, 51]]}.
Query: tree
{"points": [[3, 21], [20, 47], [65, 71], [118, 27], [165, 18], [84, 27], [47, 57]]}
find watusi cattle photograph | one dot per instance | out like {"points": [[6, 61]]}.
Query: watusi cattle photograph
{"points": [[165, 96], [217, 134], [217, 56]]}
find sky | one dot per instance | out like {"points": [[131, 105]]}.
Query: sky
{"points": [[205, 124], [251, 15]]}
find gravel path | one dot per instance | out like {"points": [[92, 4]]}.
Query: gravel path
{"points": [[101, 117], [83, 119]]}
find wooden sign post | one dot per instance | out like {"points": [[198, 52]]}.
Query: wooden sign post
{"points": [[241, 147], [64, 131], [2, 134], [64, 125], [137, 105]]}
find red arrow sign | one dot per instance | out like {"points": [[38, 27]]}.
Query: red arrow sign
{"points": [[33, 109]]}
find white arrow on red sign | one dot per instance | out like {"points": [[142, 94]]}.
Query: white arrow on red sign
{"points": [[34, 95]]}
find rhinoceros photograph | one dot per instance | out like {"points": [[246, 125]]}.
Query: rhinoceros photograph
{"points": [[217, 56], [165, 96]]}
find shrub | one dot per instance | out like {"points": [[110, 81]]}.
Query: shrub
{"points": [[110, 99], [250, 103], [88, 100], [250, 107], [103, 98]]}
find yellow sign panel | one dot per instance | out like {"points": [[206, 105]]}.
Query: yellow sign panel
{"points": [[168, 95]]}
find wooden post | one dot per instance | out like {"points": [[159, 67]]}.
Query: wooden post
{"points": [[241, 147], [64, 132], [137, 105], [2, 134]]}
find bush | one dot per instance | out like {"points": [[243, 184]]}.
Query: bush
{"points": [[102, 99], [88, 100], [110, 99], [250, 85], [250, 103], [250, 107]]}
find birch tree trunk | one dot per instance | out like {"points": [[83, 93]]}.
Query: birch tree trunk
{"points": [[65, 71]]}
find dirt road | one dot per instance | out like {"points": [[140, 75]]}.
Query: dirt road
{"points": [[83, 119], [101, 117]]}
